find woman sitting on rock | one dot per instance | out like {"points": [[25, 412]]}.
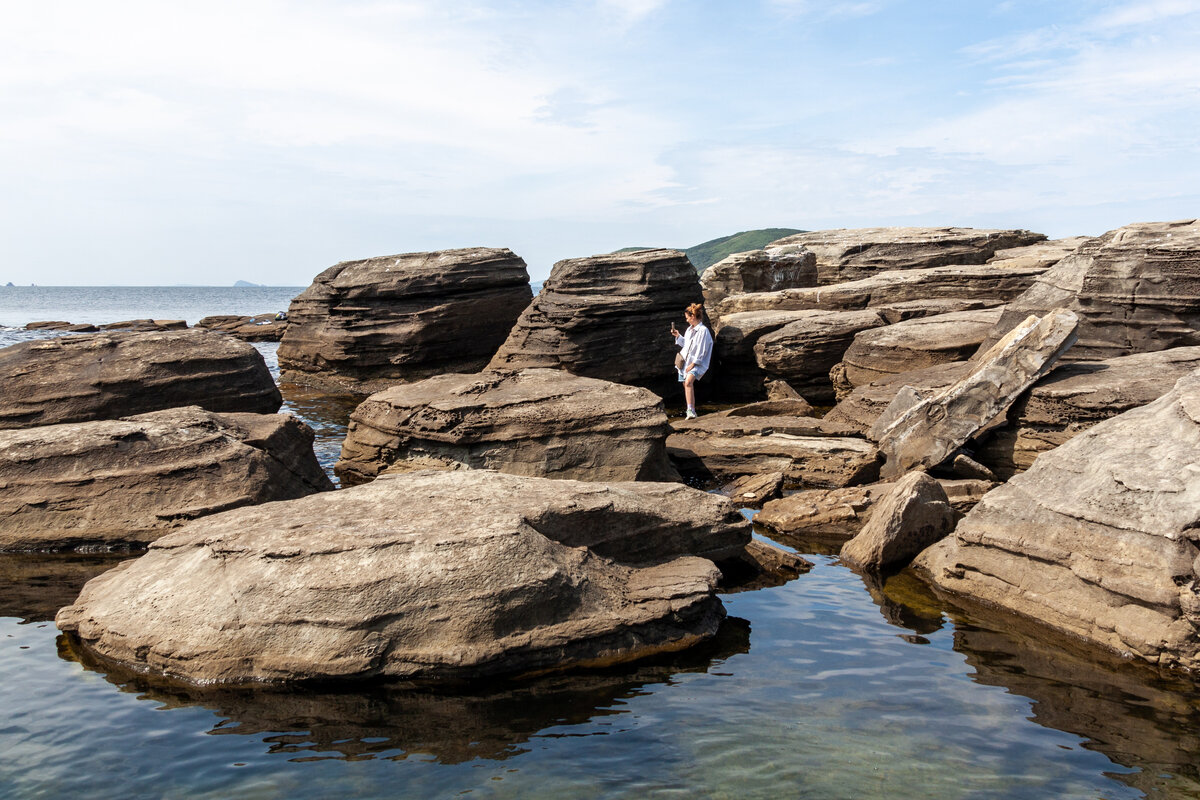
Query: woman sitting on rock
{"points": [[697, 343]]}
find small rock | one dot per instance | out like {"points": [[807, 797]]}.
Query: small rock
{"points": [[913, 515]]}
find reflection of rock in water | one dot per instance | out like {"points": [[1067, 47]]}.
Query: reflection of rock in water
{"points": [[381, 721], [905, 602], [37, 585]]}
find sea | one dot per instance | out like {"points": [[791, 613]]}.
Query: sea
{"points": [[827, 686]]}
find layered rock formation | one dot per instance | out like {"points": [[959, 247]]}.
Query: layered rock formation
{"points": [[860, 410], [1136, 289], [607, 317], [534, 575], [539, 422], [1099, 537], [758, 271], [1043, 254], [364, 325], [258, 328], [803, 352], [122, 483], [850, 254], [110, 375]]}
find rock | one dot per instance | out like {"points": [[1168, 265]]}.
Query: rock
{"points": [[822, 461], [1073, 397], [934, 428], [741, 377], [145, 325], [879, 353], [779, 390], [1136, 290], [802, 352], [364, 325], [754, 490], [1042, 255], [965, 493], [967, 468], [122, 483], [259, 328], [959, 288], [110, 375], [607, 317], [851, 254], [726, 423], [762, 565], [860, 410], [371, 582], [790, 407], [1098, 537], [59, 325], [758, 271], [540, 422], [914, 514]]}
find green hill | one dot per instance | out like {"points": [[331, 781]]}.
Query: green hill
{"points": [[705, 254]]}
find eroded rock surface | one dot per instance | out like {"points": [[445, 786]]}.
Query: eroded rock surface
{"points": [[364, 325], [803, 352], [540, 422], [111, 375], [258, 328], [1098, 538], [607, 317], [533, 575], [822, 461], [758, 271], [860, 410], [121, 483], [913, 514]]}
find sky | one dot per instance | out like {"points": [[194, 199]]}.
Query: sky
{"points": [[152, 143]]}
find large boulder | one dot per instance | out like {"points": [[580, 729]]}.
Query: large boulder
{"points": [[803, 352], [607, 317], [122, 483], [540, 422], [850, 254], [758, 271], [1099, 537], [1074, 397], [364, 325], [1136, 289], [110, 375], [933, 428], [424, 576], [914, 514]]}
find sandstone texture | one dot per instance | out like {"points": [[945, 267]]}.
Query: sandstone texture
{"points": [[364, 325], [1136, 289], [111, 375], [540, 422], [533, 575], [122, 483], [758, 271], [821, 461], [1074, 397], [1043, 254], [607, 317], [803, 352], [1099, 537], [145, 325], [850, 254], [258, 328], [61, 325], [930, 431], [860, 410], [914, 514]]}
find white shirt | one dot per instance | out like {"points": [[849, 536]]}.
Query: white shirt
{"points": [[696, 342]]}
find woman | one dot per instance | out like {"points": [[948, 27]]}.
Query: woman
{"points": [[696, 342]]}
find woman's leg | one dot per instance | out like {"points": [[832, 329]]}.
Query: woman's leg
{"points": [[689, 390]]}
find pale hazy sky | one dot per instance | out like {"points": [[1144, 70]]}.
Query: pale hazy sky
{"points": [[162, 143]]}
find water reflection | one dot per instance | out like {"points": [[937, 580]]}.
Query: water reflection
{"points": [[37, 585]]}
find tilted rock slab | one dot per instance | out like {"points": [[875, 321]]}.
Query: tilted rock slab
{"points": [[607, 317], [860, 410], [122, 483], [424, 576], [540, 422], [110, 375], [1099, 537], [1136, 289], [1074, 397], [934, 428], [364, 325], [877, 354], [914, 514], [849, 254], [758, 271]]}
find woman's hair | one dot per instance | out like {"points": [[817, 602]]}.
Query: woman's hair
{"points": [[696, 310]]}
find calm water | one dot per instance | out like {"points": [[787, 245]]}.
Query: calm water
{"points": [[824, 687]]}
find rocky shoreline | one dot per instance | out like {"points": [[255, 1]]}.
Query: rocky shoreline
{"points": [[1014, 417]]}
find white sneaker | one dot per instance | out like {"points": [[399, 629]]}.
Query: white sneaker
{"points": [[691, 414]]}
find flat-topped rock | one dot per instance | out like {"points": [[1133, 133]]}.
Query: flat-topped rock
{"points": [[1098, 538], [257, 328], [803, 352], [879, 353], [1073, 397], [607, 317], [122, 483], [61, 325], [758, 271], [424, 577], [540, 422], [849, 254], [1042, 255], [725, 423], [111, 375], [822, 461], [364, 325], [1136, 289], [145, 325]]}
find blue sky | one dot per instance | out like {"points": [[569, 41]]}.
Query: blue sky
{"points": [[164, 143]]}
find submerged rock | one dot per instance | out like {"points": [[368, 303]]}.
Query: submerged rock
{"points": [[540, 422], [364, 325], [258, 328], [111, 375], [122, 483], [533, 575]]}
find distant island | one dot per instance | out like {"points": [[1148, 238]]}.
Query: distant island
{"points": [[705, 254], [245, 285]]}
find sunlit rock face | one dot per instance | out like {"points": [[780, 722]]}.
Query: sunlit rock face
{"points": [[363, 325]]}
